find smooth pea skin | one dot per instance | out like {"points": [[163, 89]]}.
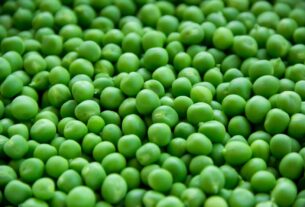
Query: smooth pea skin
{"points": [[276, 121], [234, 157], [256, 109], [284, 193], [241, 198], [114, 188], [288, 160], [147, 101], [215, 201], [212, 180]]}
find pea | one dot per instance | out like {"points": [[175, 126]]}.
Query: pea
{"points": [[128, 62], [153, 54], [81, 196], [147, 101], [102, 149], [111, 98], [114, 188], [288, 172], [276, 116], [277, 46], [239, 125], [232, 177], [233, 105], [16, 147], [188, 199], [134, 196], [234, 157], [222, 38], [241, 197], [211, 179], [16, 192], [260, 149], [286, 187], [256, 109], [251, 167], [199, 112], [43, 188], [191, 34], [148, 153], [56, 165], [31, 169], [284, 100], [198, 144]]}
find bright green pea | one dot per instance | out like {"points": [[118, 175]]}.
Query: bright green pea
{"points": [[132, 177], [132, 43], [154, 58], [43, 188], [214, 130], [165, 75], [78, 164], [86, 109], [147, 101], [188, 199], [89, 50], [81, 196], [102, 149], [132, 84], [215, 201], [295, 126], [199, 112], [222, 38], [16, 192], [176, 167], [277, 46], [148, 153], [7, 175], [285, 168], [111, 98], [135, 196], [13, 43], [114, 163], [239, 125], [114, 188], [44, 152], [284, 193], [11, 86], [239, 157], [16, 147], [69, 149], [81, 66], [256, 109], [278, 116], [31, 169], [251, 167], [233, 105], [160, 180], [198, 144], [280, 145], [240, 86], [43, 130], [241, 198], [289, 102], [82, 90], [211, 179], [198, 163]]}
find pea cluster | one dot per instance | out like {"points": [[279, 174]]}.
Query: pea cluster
{"points": [[153, 103]]}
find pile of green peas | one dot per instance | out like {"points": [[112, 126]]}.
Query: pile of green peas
{"points": [[153, 103]]}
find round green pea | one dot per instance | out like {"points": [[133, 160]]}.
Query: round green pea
{"points": [[239, 157], [114, 188]]}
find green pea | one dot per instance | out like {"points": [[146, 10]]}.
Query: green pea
{"points": [[199, 112], [114, 163], [148, 153], [188, 199], [233, 105], [283, 187], [16, 147], [286, 162], [276, 116], [280, 145], [295, 54], [75, 130], [198, 144], [191, 34], [69, 149], [298, 35], [16, 192], [289, 101], [232, 177], [212, 180], [43, 188], [147, 101], [177, 147], [132, 177], [294, 72], [217, 18], [234, 157], [160, 180], [56, 165], [251, 167], [132, 84], [214, 130], [7, 175], [241, 197], [222, 38], [12, 44], [68, 180], [183, 129], [31, 169], [114, 188], [295, 126], [133, 197], [44, 152], [102, 149], [277, 46], [245, 46], [260, 149], [239, 125], [215, 201], [256, 109]]}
